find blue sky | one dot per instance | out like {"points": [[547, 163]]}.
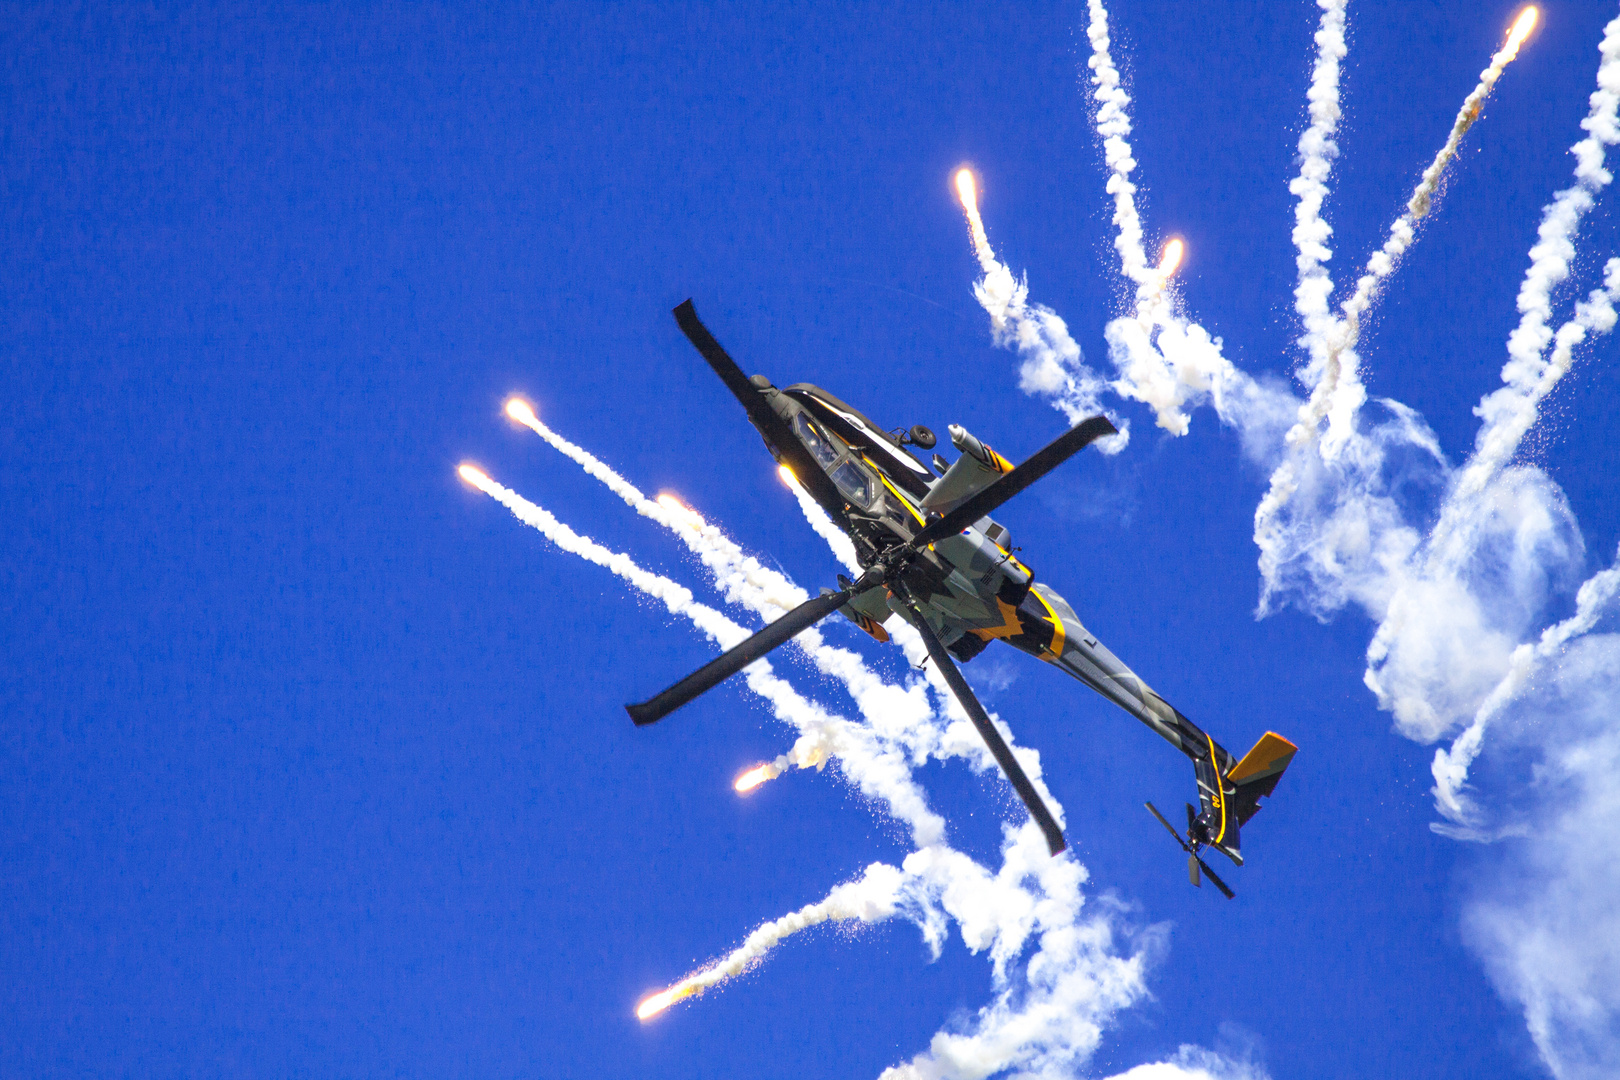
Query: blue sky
{"points": [[313, 759]]}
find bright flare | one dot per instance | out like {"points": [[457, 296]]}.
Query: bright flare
{"points": [[756, 776], [968, 191], [523, 413], [662, 1000], [690, 516], [787, 475], [474, 476], [1171, 258], [1522, 26]]}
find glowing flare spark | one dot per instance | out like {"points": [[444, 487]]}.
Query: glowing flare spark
{"points": [[968, 191], [474, 476], [681, 510], [1171, 259], [787, 475], [662, 1000], [523, 413], [1522, 26], [756, 776]]}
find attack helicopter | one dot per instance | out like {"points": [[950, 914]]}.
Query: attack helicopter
{"points": [[930, 553]]}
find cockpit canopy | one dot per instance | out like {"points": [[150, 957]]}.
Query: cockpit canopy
{"points": [[854, 429], [852, 480]]}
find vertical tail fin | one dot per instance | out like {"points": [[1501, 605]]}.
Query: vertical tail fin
{"points": [[1241, 789]]}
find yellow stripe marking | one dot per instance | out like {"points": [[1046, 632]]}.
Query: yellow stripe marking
{"points": [[1056, 648], [1011, 626], [1220, 787]]}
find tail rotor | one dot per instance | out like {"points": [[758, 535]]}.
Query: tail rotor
{"points": [[1190, 845]]}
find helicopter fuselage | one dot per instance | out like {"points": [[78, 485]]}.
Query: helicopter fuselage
{"points": [[970, 587]]}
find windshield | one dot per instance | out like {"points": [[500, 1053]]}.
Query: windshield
{"points": [[818, 442], [856, 485]]}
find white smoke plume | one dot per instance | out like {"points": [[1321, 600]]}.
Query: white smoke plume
{"points": [[1164, 360], [873, 897], [1592, 601], [880, 772], [1457, 604], [1458, 607], [1337, 393], [1053, 365]]}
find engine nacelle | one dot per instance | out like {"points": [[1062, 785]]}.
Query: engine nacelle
{"points": [[977, 468]]}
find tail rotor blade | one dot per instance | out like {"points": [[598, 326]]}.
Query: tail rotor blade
{"points": [[1213, 876], [734, 660], [1154, 810], [987, 731], [1044, 461], [1193, 863]]}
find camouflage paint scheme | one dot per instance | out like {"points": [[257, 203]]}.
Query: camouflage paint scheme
{"points": [[973, 590]]}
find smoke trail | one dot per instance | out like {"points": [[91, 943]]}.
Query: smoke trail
{"points": [[1053, 366], [1338, 402], [1450, 767], [1317, 149], [1457, 610], [878, 772], [1113, 124], [1164, 360], [873, 897]]}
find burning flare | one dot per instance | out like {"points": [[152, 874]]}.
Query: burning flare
{"points": [[523, 413], [968, 191], [1522, 26], [662, 1000], [1171, 259], [475, 477], [756, 776], [681, 511]]}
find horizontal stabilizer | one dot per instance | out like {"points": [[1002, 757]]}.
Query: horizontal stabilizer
{"points": [[1257, 774], [1269, 757]]}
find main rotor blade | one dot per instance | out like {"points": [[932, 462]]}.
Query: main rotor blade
{"points": [[770, 425], [1216, 878], [992, 738], [734, 660], [1044, 461]]}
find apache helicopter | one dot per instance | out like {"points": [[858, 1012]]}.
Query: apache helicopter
{"points": [[930, 553]]}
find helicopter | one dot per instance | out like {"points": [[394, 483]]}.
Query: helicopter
{"points": [[930, 553]]}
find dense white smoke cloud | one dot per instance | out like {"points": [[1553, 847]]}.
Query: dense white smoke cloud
{"points": [[1346, 520], [1458, 604], [1543, 917]]}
